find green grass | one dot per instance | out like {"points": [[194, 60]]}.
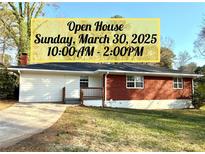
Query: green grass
{"points": [[97, 129], [203, 107]]}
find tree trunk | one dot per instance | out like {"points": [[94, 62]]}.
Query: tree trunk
{"points": [[3, 49]]}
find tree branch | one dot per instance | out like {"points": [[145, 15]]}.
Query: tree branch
{"points": [[20, 9], [15, 10], [12, 33], [39, 10], [32, 8]]}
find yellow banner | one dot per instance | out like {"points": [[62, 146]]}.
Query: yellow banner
{"points": [[95, 40]]}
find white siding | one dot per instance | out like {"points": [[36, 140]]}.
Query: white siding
{"points": [[47, 87], [72, 85], [95, 81]]}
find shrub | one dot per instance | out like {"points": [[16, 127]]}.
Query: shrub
{"points": [[199, 89], [8, 83], [199, 96]]}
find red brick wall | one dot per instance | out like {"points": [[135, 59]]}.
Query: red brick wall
{"points": [[155, 88]]}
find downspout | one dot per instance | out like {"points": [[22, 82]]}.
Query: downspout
{"points": [[105, 89], [192, 93], [192, 88], [19, 84]]}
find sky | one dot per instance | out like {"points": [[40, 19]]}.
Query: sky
{"points": [[179, 21]]}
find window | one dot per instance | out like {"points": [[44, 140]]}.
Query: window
{"points": [[135, 81], [178, 83], [84, 82]]}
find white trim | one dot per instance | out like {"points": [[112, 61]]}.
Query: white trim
{"points": [[150, 104], [150, 73], [105, 85], [97, 103], [56, 71], [178, 82], [192, 87], [87, 78], [144, 104], [135, 82], [113, 72], [135, 88]]}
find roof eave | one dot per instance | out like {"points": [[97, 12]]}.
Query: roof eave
{"points": [[54, 71], [111, 72], [150, 73]]}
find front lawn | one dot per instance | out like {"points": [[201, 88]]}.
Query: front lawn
{"points": [[97, 129]]}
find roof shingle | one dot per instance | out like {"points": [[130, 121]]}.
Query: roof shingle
{"points": [[136, 67]]}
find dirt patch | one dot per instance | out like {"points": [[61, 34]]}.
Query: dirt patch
{"points": [[6, 103]]}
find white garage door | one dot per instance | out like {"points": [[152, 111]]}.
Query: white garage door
{"points": [[40, 87]]}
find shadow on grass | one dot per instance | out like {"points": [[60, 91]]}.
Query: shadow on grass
{"points": [[177, 122], [109, 129], [180, 115]]}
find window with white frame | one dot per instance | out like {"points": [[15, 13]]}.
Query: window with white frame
{"points": [[178, 83], [135, 81], [84, 82]]}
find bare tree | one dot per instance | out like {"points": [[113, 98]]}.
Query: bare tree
{"points": [[167, 42], [189, 68], [182, 59], [167, 55], [199, 44]]}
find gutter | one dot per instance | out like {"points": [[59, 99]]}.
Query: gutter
{"points": [[111, 72], [151, 73], [52, 71]]}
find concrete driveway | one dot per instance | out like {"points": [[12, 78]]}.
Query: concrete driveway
{"points": [[25, 119]]}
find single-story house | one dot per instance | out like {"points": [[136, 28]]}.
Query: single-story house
{"points": [[123, 85]]}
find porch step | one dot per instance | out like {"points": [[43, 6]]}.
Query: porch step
{"points": [[72, 101]]}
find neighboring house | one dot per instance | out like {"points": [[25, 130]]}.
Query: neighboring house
{"points": [[111, 85]]}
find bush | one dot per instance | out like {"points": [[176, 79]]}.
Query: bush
{"points": [[199, 97], [199, 89], [8, 83]]}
